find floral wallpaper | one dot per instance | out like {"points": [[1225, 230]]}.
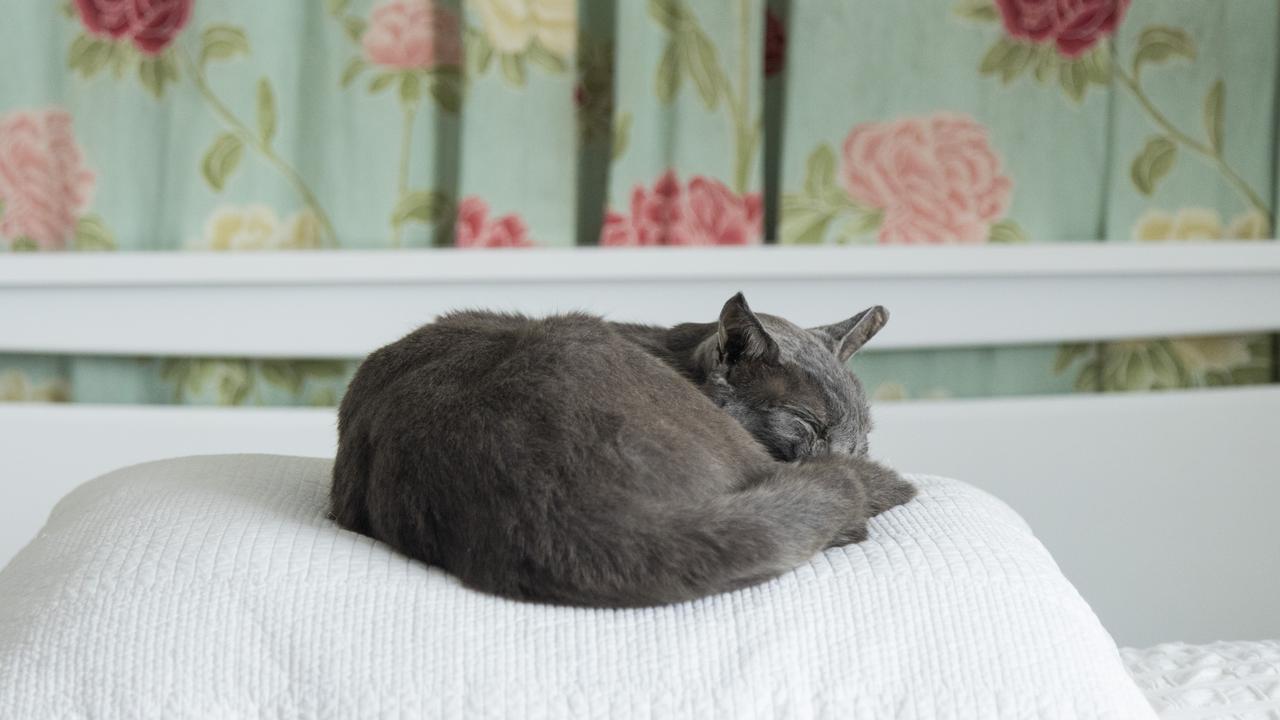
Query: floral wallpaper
{"points": [[227, 125]]}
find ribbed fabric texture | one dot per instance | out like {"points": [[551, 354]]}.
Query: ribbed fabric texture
{"points": [[215, 587]]}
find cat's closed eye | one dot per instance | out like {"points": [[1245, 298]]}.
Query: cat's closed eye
{"points": [[808, 425]]}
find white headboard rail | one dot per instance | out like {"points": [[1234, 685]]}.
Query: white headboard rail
{"points": [[342, 304]]}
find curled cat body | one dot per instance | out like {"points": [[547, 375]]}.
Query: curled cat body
{"points": [[572, 460]]}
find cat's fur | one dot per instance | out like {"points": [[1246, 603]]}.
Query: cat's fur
{"points": [[573, 460]]}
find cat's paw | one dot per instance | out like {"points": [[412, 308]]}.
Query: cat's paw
{"points": [[855, 532], [886, 489]]}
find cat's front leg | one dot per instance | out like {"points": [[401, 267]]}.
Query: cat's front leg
{"points": [[884, 487], [838, 477]]}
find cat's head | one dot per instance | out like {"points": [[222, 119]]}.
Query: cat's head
{"points": [[789, 386]]}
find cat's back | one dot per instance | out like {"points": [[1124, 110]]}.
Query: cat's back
{"points": [[495, 371], [490, 354]]}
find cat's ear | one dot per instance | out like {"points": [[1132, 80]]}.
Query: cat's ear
{"points": [[847, 337], [741, 336]]}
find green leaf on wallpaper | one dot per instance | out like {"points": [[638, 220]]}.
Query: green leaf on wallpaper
{"points": [[175, 371], [266, 111], [1213, 111], [321, 368], [410, 88], [446, 88], [1153, 163], [337, 8], [1068, 353], [353, 70], [1006, 232], [699, 55], [1167, 369], [119, 57], [24, 244], [980, 10], [236, 381], [1074, 79], [479, 51], [220, 42], [1097, 65], [324, 397], [804, 227], [157, 72], [513, 69], [88, 55], [1254, 372], [670, 14], [544, 58], [1018, 60], [282, 373], [381, 82], [796, 202], [93, 235], [859, 225], [1046, 63], [667, 81], [1090, 377], [621, 135], [424, 206], [820, 171], [1159, 43], [221, 159], [68, 9], [993, 61], [354, 27]]}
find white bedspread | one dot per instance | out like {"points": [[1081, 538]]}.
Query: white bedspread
{"points": [[1236, 680], [214, 587]]}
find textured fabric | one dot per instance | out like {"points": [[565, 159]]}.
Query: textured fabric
{"points": [[214, 586], [1223, 680]]}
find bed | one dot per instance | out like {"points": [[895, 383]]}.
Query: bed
{"points": [[216, 528], [1236, 680]]}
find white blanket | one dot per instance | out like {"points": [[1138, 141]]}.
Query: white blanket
{"points": [[214, 587], [1235, 680]]}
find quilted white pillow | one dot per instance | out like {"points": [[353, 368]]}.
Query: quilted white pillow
{"points": [[214, 586]]}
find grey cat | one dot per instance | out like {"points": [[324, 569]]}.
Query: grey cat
{"points": [[576, 461]]}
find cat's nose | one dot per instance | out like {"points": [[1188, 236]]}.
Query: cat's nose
{"points": [[819, 447]]}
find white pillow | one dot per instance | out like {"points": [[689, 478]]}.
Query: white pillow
{"points": [[214, 586]]}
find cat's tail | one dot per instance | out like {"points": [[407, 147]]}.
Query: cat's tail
{"points": [[668, 555], [347, 504]]}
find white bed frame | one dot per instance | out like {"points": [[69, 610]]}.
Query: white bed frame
{"points": [[1164, 509]]}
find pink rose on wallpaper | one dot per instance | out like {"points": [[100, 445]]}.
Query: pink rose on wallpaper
{"points": [[705, 213], [1073, 25], [474, 229], [44, 184], [936, 179], [775, 43], [149, 24], [409, 34]]}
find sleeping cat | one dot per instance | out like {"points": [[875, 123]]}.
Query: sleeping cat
{"points": [[576, 461]]}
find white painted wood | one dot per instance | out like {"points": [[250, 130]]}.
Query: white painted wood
{"points": [[344, 304], [46, 450], [1161, 508], [587, 263]]}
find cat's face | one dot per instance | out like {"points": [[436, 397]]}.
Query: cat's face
{"points": [[790, 387]]}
